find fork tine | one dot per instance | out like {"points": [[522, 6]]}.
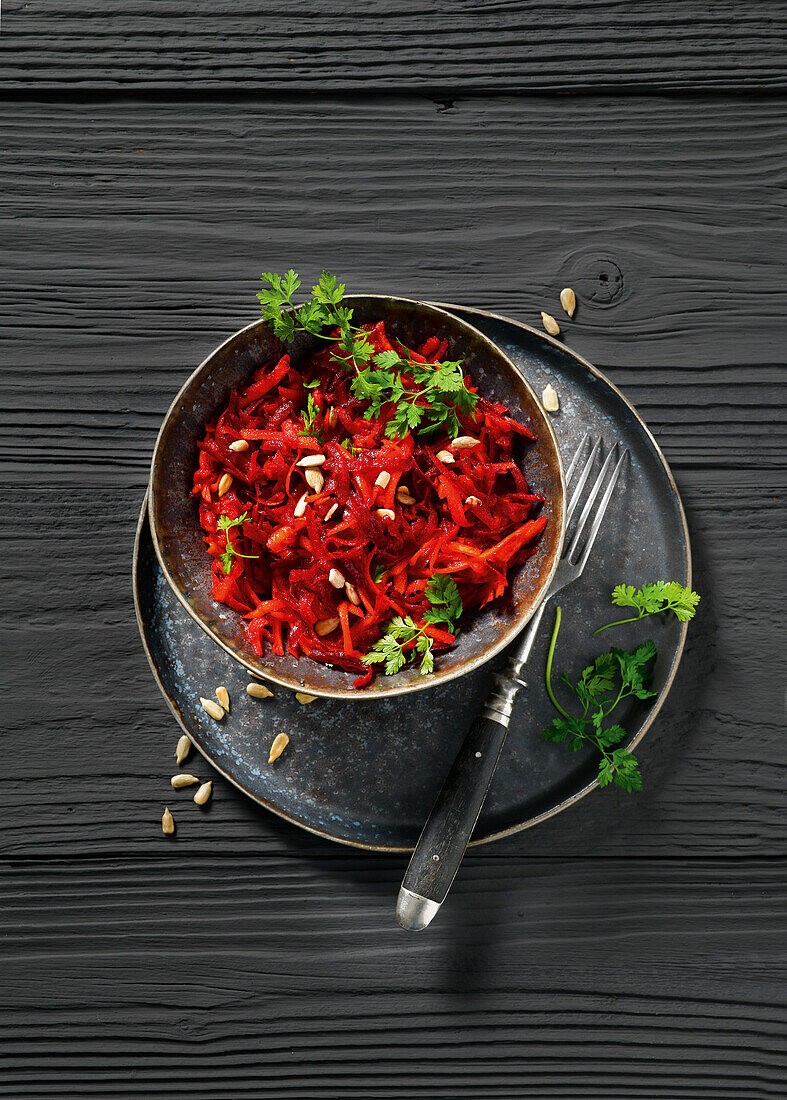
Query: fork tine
{"points": [[575, 459], [572, 504], [595, 490], [594, 530]]}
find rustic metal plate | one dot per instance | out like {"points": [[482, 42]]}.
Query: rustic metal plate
{"points": [[367, 775]]}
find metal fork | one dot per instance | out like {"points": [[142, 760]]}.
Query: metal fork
{"points": [[442, 844]]}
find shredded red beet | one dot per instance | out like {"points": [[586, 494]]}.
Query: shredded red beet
{"points": [[321, 568]]}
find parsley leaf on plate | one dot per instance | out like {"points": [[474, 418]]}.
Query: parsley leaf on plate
{"points": [[613, 677], [652, 599]]}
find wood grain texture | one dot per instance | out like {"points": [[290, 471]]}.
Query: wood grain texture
{"points": [[630, 949], [452, 47], [602, 979], [668, 223]]}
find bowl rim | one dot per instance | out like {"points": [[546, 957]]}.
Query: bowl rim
{"points": [[423, 683]]}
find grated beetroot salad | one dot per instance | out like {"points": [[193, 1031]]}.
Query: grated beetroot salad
{"points": [[322, 529]]}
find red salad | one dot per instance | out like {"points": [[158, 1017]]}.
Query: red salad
{"points": [[338, 538]]}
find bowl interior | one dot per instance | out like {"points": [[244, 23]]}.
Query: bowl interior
{"points": [[177, 535]]}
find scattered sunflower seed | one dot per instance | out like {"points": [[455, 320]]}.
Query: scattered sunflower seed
{"points": [[473, 501], [223, 697], [464, 442], [332, 417], [336, 578], [213, 709], [311, 460], [549, 399], [446, 457], [300, 507], [258, 691], [382, 479], [550, 324], [280, 743], [302, 697], [240, 445], [385, 513], [403, 495], [330, 512], [183, 780], [568, 300], [182, 749], [167, 822], [225, 484], [352, 594], [203, 793]]}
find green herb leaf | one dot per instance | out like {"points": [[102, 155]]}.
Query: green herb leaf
{"points": [[443, 594], [310, 414], [612, 677], [225, 524], [652, 599], [389, 650]]}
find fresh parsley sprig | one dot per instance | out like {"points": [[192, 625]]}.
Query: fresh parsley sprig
{"points": [[612, 678], [652, 599], [322, 311], [430, 399], [404, 637], [390, 648], [443, 594], [310, 414], [430, 403], [225, 524]]}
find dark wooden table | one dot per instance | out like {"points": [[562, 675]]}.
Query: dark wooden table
{"points": [[155, 159]]}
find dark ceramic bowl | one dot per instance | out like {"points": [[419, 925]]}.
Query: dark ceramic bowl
{"points": [[177, 536]]}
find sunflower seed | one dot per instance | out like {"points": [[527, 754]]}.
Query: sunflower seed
{"points": [[225, 484], [182, 780], [550, 324], [314, 480], [280, 743], [336, 578], [300, 507], [302, 697], [332, 417], [446, 457], [385, 513], [213, 709], [352, 594], [240, 445], [167, 822], [403, 495], [473, 502], [258, 691], [464, 442], [568, 300], [549, 400], [325, 626], [203, 793], [311, 460], [330, 512], [223, 697], [382, 479], [183, 749]]}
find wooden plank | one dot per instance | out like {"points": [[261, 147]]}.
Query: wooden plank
{"points": [[103, 739], [667, 221], [454, 47], [207, 975]]}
